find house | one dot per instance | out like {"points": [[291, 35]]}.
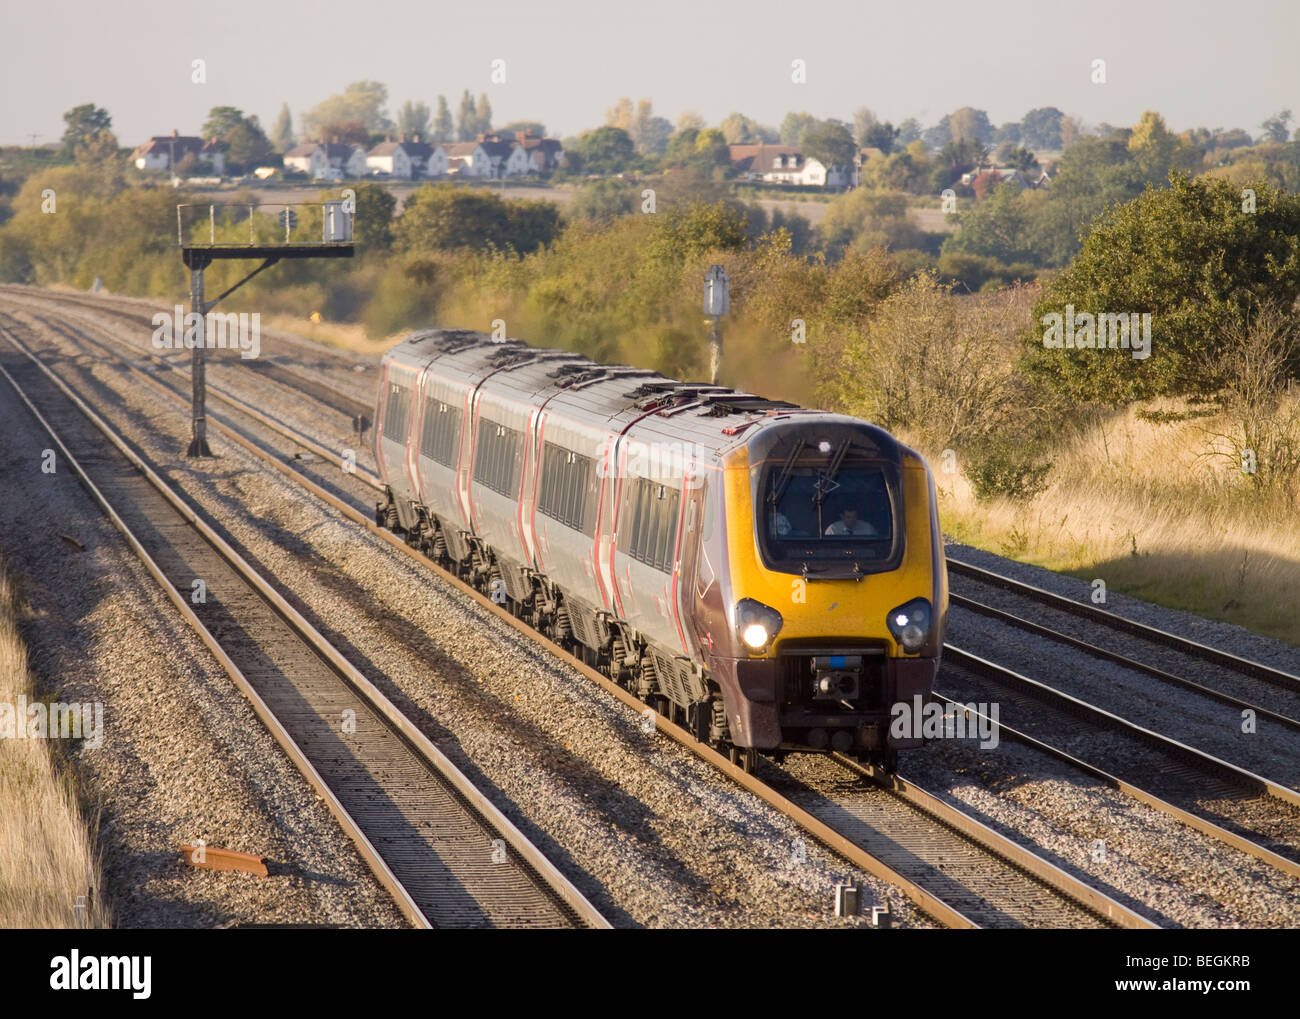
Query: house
{"points": [[328, 160], [545, 154], [408, 159], [998, 175], [785, 164], [163, 152], [462, 161]]}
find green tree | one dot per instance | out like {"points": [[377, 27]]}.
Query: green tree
{"points": [[482, 115], [970, 125], [794, 126], [998, 227], [1275, 127], [466, 118], [362, 100], [282, 132], [527, 126], [1191, 257], [881, 135], [246, 146], [443, 128], [1041, 129], [413, 119], [83, 122], [221, 120], [439, 217], [711, 147], [606, 150], [831, 143]]}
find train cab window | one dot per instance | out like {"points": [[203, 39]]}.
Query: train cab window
{"points": [[566, 487], [397, 412], [841, 510], [651, 536], [440, 433], [497, 458]]}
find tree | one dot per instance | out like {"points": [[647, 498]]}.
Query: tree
{"points": [[1152, 147], [443, 217], [527, 126], [363, 101], [246, 146], [482, 115], [221, 120], [443, 128], [83, 122], [831, 143], [346, 132], [413, 120], [740, 130], [997, 227], [466, 118], [1018, 157], [711, 147], [99, 147], [690, 121], [1009, 134], [863, 121], [282, 132], [1188, 257], [606, 150], [908, 132], [1275, 127], [882, 136], [649, 133], [1041, 128], [794, 126], [970, 125], [1071, 131], [956, 158]]}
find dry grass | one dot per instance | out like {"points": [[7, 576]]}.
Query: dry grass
{"points": [[342, 335], [1147, 508], [46, 855]]}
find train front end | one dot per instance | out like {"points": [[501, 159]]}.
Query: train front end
{"points": [[838, 592]]}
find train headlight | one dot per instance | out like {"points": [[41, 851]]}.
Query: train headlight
{"points": [[910, 624], [757, 624]]}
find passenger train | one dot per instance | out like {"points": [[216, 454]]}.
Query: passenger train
{"points": [[770, 577]]}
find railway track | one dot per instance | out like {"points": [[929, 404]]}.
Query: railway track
{"points": [[1237, 681], [447, 855], [954, 868], [350, 406], [1215, 797]]}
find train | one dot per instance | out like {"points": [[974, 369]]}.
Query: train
{"points": [[770, 577]]}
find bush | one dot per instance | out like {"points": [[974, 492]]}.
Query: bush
{"points": [[1003, 465]]}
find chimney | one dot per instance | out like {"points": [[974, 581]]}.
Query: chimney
{"points": [[415, 138], [175, 133]]}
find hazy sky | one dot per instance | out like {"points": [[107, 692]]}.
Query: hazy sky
{"points": [[1199, 62]]}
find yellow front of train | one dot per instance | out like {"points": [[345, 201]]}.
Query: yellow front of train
{"points": [[837, 590]]}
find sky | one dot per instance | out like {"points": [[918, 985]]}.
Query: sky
{"points": [[1197, 62]]}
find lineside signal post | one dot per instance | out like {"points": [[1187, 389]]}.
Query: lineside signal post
{"points": [[336, 242]]}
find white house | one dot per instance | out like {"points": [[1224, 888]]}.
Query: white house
{"points": [[408, 158], [785, 164], [466, 159], [163, 152], [328, 160], [545, 154]]}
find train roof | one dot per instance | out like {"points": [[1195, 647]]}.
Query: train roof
{"points": [[600, 395]]}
